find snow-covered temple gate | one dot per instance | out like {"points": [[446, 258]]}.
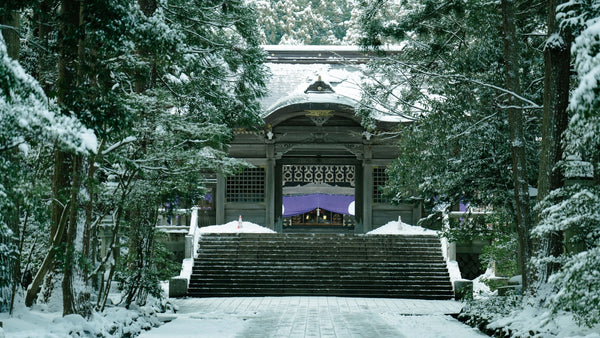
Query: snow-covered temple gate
{"points": [[312, 155]]}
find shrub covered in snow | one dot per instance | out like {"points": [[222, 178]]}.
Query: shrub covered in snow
{"points": [[113, 322], [517, 316], [578, 285]]}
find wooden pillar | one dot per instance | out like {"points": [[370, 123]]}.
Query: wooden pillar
{"points": [[358, 199], [220, 199], [367, 189], [270, 188], [367, 198], [278, 202]]}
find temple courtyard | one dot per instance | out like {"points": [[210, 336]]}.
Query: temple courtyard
{"points": [[313, 317]]}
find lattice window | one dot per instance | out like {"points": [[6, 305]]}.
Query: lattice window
{"points": [[248, 186], [379, 179], [339, 175]]}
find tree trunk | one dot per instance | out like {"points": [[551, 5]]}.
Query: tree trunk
{"points": [[17, 276], [69, 303], [89, 57], [89, 208], [47, 264], [115, 250], [46, 61], [68, 52], [557, 58], [136, 242], [517, 139]]}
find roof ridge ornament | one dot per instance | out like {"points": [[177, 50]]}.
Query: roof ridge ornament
{"points": [[319, 86], [319, 117]]}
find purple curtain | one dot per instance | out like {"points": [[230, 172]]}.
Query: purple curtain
{"points": [[296, 205]]}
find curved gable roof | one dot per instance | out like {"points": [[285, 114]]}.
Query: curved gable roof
{"points": [[300, 108], [295, 68]]}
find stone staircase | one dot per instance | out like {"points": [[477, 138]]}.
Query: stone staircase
{"points": [[245, 264]]}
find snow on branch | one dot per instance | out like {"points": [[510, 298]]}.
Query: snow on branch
{"points": [[126, 140], [530, 104]]}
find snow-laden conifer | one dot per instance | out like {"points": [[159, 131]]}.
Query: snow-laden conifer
{"points": [[573, 210]]}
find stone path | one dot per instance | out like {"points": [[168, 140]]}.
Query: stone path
{"points": [[313, 317]]}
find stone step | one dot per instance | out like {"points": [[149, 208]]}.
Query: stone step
{"points": [[321, 270], [320, 249], [304, 244], [305, 241], [323, 285], [315, 287], [319, 274], [274, 235], [320, 264], [349, 239], [324, 274], [315, 279], [322, 258], [336, 292], [351, 266], [321, 246], [325, 282]]}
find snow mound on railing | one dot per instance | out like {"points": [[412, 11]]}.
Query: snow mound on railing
{"points": [[232, 227], [401, 228]]}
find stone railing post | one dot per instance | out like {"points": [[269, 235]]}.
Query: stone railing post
{"points": [[190, 246]]}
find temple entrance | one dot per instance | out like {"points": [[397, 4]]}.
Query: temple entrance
{"points": [[316, 166], [318, 197]]}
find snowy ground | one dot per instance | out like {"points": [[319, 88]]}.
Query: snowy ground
{"points": [[313, 317], [43, 321], [284, 317]]}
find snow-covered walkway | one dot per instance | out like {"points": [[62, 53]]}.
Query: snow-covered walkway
{"points": [[313, 317]]}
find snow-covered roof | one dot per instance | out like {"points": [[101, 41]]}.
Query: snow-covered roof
{"points": [[325, 48], [295, 68], [289, 81], [322, 54]]}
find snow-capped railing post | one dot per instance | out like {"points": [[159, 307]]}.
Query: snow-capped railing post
{"points": [[450, 246], [190, 245], [178, 285]]}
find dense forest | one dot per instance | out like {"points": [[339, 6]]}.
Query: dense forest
{"points": [[504, 99], [113, 108], [117, 107], [308, 22]]}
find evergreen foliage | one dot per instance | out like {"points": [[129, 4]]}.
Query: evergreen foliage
{"points": [[579, 270], [28, 123], [573, 210], [204, 79], [308, 22], [158, 85], [449, 79]]}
